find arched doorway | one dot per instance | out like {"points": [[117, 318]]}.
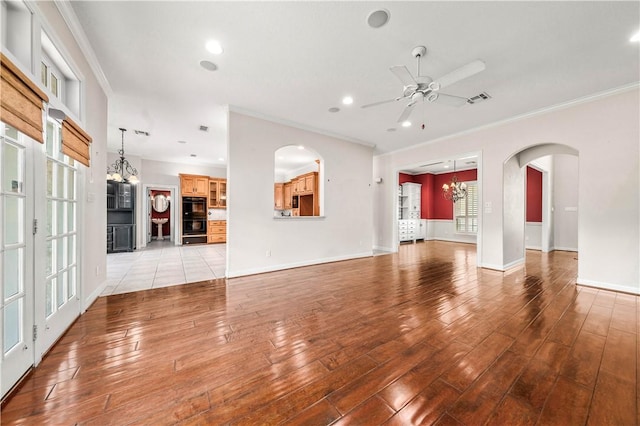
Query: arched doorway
{"points": [[514, 200]]}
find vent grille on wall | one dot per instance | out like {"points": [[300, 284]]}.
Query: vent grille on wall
{"points": [[204, 128], [479, 98]]}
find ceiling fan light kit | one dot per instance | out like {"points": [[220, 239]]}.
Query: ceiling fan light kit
{"points": [[422, 87]]}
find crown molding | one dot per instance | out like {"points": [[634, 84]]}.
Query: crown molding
{"points": [[232, 108], [71, 19], [556, 107]]}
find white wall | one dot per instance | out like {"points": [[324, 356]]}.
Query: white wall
{"points": [[258, 242], [445, 230], [605, 131], [513, 213], [565, 201]]}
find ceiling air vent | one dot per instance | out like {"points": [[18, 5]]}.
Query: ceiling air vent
{"points": [[204, 128], [479, 98], [141, 132]]}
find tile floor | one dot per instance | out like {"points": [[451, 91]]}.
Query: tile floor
{"points": [[162, 264]]}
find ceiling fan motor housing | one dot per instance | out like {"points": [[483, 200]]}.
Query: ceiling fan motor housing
{"points": [[419, 51]]}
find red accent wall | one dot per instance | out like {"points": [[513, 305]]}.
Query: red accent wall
{"points": [[166, 228], [404, 178], [433, 204], [442, 208], [534, 195]]}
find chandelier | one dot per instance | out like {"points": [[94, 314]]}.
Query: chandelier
{"points": [[122, 170], [454, 191]]}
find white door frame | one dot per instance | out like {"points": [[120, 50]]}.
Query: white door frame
{"points": [[146, 222]]}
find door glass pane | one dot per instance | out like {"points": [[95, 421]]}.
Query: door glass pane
{"points": [[72, 249], [71, 217], [12, 324], [49, 258], [12, 168], [60, 218], [60, 181], [12, 276], [49, 297], [49, 178], [54, 85], [60, 252], [60, 287], [71, 181], [71, 288], [50, 206], [49, 142], [10, 131], [13, 220]]}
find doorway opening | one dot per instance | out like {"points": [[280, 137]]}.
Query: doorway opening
{"points": [[160, 212]]}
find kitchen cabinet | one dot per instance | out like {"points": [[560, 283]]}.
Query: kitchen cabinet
{"points": [[120, 238], [194, 185], [120, 196], [216, 231], [278, 196], [217, 193], [288, 192]]}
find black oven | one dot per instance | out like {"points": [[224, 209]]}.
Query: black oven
{"points": [[194, 220]]}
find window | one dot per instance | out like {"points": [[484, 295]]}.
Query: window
{"points": [[56, 73], [49, 77], [466, 210]]}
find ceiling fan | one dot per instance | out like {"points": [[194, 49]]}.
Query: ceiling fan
{"points": [[424, 87]]}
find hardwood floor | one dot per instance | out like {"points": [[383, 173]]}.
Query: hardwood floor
{"points": [[415, 338]]}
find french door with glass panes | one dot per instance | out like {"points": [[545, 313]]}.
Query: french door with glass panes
{"points": [[38, 247], [16, 255], [56, 266]]}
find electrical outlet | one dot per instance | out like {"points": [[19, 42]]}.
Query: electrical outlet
{"points": [[97, 270], [268, 253]]}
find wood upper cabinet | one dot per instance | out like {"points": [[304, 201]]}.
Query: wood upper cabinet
{"points": [[278, 196], [217, 193], [287, 193], [193, 185]]}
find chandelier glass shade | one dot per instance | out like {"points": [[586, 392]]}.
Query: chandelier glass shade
{"points": [[122, 170], [455, 190]]}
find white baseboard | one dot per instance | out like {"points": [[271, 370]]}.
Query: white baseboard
{"points": [[608, 286], [564, 249], [272, 268], [539, 248], [381, 248], [505, 267], [93, 296]]}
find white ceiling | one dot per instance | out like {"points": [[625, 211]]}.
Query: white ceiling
{"points": [[292, 61]]}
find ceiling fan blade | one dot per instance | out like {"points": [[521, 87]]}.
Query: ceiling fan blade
{"points": [[380, 103], [404, 75], [450, 100], [406, 113], [461, 73]]}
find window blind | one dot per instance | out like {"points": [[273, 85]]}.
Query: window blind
{"points": [[21, 101], [75, 142]]}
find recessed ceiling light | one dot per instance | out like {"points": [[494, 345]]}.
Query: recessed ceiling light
{"points": [[208, 65], [300, 147], [347, 100], [182, 141], [334, 109], [406, 124], [636, 37], [378, 18], [214, 47], [446, 166], [220, 159]]}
